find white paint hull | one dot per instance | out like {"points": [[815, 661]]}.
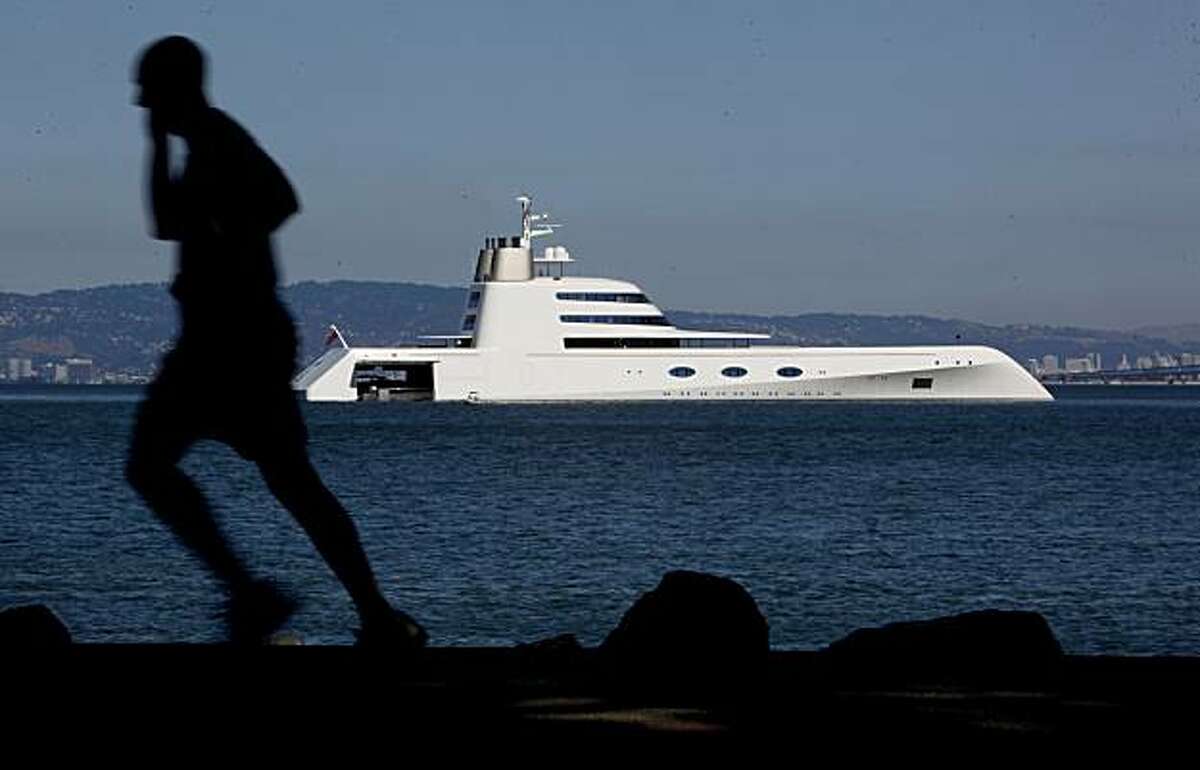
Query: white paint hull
{"points": [[480, 375]]}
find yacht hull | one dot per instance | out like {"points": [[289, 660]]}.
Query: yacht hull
{"points": [[961, 373]]}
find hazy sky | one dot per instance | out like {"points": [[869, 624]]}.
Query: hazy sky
{"points": [[1003, 161]]}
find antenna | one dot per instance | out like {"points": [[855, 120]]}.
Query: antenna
{"points": [[528, 231]]}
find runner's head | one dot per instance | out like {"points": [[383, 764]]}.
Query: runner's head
{"points": [[170, 77]]}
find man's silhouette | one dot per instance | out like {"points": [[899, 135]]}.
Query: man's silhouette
{"points": [[228, 376]]}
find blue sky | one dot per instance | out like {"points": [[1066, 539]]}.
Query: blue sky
{"points": [[1007, 162]]}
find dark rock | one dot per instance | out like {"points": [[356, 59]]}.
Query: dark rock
{"points": [[557, 650], [32, 627], [695, 628], [1000, 645], [562, 654], [563, 643]]}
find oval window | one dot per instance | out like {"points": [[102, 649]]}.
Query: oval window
{"points": [[789, 371], [734, 371], [682, 371]]}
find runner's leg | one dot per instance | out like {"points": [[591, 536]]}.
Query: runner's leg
{"points": [[291, 477], [160, 438]]}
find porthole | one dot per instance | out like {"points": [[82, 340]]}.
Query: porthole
{"points": [[789, 371], [734, 371], [682, 371]]}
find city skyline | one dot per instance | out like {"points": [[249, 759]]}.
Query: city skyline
{"points": [[1012, 164]]}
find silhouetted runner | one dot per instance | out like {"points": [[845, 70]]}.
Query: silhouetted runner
{"points": [[228, 377]]}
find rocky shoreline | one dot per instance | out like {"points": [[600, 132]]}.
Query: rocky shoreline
{"points": [[688, 664]]}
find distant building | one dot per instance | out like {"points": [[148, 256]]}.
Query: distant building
{"points": [[1079, 365], [123, 378], [1144, 362], [1124, 365], [1033, 366], [1189, 359], [1164, 360], [1096, 363], [80, 371], [20, 369], [1049, 364]]}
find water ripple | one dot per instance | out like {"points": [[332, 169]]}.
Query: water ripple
{"points": [[502, 524]]}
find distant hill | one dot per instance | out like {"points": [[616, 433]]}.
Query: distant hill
{"points": [[373, 313], [1187, 335], [119, 327], [128, 327]]}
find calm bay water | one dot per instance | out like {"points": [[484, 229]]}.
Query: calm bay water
{"points": [[499, 524]]}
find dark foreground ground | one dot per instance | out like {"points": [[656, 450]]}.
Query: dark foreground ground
{"points": [[304, 696]]}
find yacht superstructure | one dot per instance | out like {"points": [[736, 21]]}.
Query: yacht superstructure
{"points": [[530, 332]]}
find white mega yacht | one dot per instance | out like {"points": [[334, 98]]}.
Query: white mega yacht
{"points": [[530, 332]]}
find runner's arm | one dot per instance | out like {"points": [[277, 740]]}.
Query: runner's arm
{"points": [[166, 224]]}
